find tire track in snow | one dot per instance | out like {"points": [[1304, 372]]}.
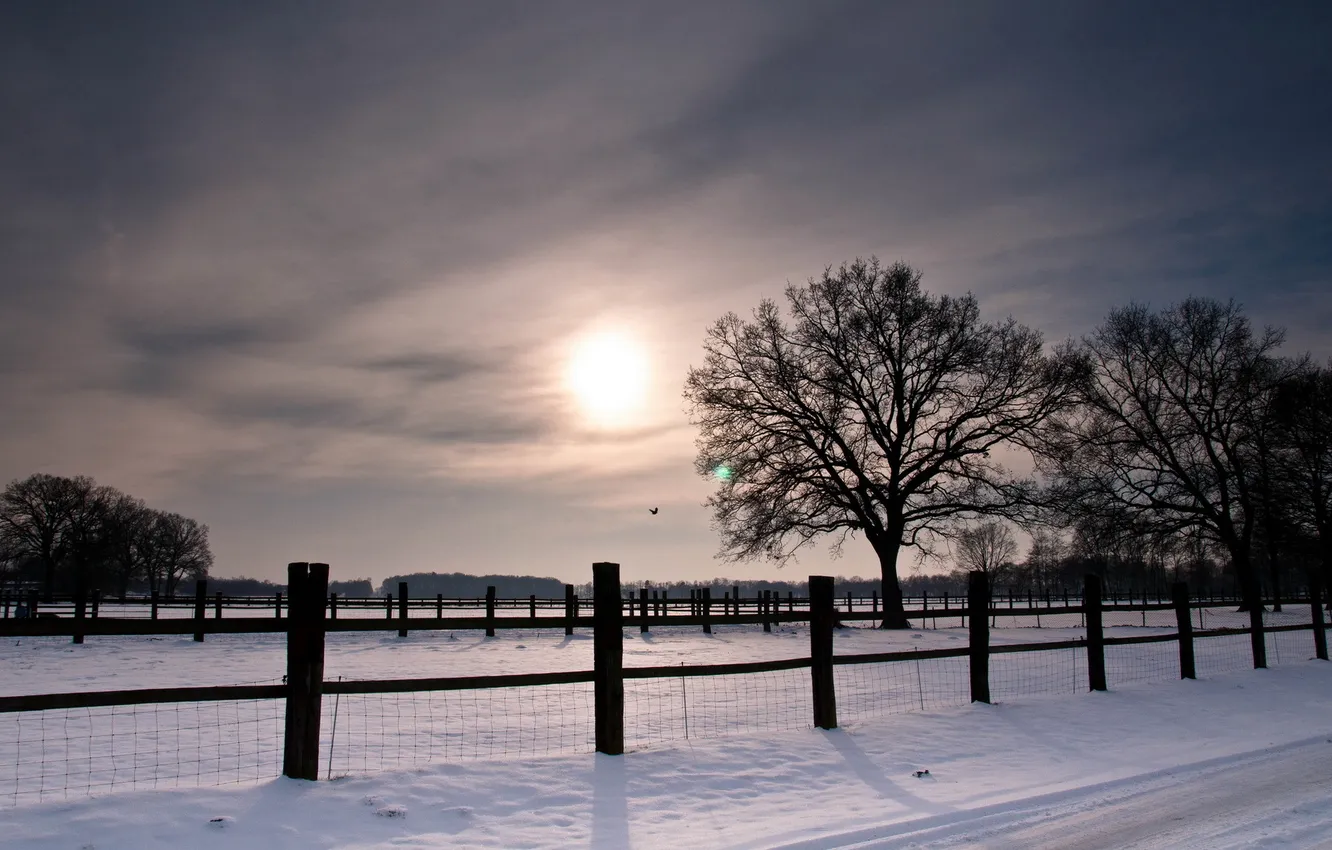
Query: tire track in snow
{"points": [[1274, 798]]}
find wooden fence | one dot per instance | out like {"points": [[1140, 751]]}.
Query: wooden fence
{"points": [[308, 620]]}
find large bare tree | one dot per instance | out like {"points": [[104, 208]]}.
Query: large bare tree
{"points": [[1303, 454], [878, 410], [1168, 431], [40, 518]]}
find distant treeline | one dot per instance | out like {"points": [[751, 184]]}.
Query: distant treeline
{"points": [[750, 588], [243, 586], [460, 585], [517, 587]]}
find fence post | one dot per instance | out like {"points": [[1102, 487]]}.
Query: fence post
{"points": [[153, 597], [1316, 609], [80, 611], [200, 596], [307, 585], [217, 605], [643, 610], [978, 608], [569, 612], [1091, 603], [96, 601], [402, 609], [821, 617], [332, 606], [765, 608], [706, 604], [608, 658], [277, 604], [490, 611], [1179, 595], [531, 606]]}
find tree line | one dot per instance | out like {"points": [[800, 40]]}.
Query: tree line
{"points": [[71, 535], [874, 408]]}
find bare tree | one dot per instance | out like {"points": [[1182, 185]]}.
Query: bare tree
{"points": [[179, 550], [988, 547], [1168, 428], [1044, 558], [37, 519], [128, 522], [876, 411], [1302, 415]]}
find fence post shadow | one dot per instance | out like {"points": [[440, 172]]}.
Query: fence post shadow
{"points": [[610, 803], [870, 773]]}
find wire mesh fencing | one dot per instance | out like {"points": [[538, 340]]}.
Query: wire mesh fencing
{"points": [[365, 733], [1157, 661], [664, 709], [57, 754], [1286, 647], [1043, 671], [867, 691], [1217, 655]]}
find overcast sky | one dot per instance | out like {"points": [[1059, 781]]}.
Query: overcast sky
{"points": [[312, 273]]}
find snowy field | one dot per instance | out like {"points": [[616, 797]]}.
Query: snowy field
{"points": [[67, 754], [1237, 760]]}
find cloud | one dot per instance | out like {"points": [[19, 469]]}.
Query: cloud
{"points": [[293, 247]]}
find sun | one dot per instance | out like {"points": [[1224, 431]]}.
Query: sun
{"points": [[608, 376]]}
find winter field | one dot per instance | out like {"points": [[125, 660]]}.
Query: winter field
{"points": [[723, 761]]}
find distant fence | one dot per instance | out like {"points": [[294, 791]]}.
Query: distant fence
{"points": [[71, 743], [29, 615]]}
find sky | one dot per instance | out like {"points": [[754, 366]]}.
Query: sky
{"points": [[315, 273]]}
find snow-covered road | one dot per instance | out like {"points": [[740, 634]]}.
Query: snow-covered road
{"points": [[1275, 798]]}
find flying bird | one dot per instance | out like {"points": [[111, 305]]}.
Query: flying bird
{"points": [[652, 511]]}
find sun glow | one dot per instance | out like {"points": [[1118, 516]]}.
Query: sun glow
{"points": [[608, 375]]}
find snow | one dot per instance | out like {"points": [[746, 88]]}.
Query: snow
{"points": [[1114, 769], [1111, 769]]}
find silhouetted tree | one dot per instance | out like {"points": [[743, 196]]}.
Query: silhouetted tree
{"points": [[876, 411], [1040, 569], [1302, 414], [128, 521], [988, 547], [177, 549], [37, 516], [1167, 431]]}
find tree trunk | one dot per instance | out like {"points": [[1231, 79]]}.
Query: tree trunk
{"points": [[48, 576], [1274, 571], [1252, 596], [1326, 544], [894, 614]]}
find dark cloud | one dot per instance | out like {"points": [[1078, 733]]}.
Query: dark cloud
{"points": [[435, 368]]}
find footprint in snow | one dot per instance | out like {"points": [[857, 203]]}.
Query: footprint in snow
{"points": [[372, 800], [221, 822], [393, 811]]}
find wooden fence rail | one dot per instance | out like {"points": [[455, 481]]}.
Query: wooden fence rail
{"points": [[309, 607]]}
